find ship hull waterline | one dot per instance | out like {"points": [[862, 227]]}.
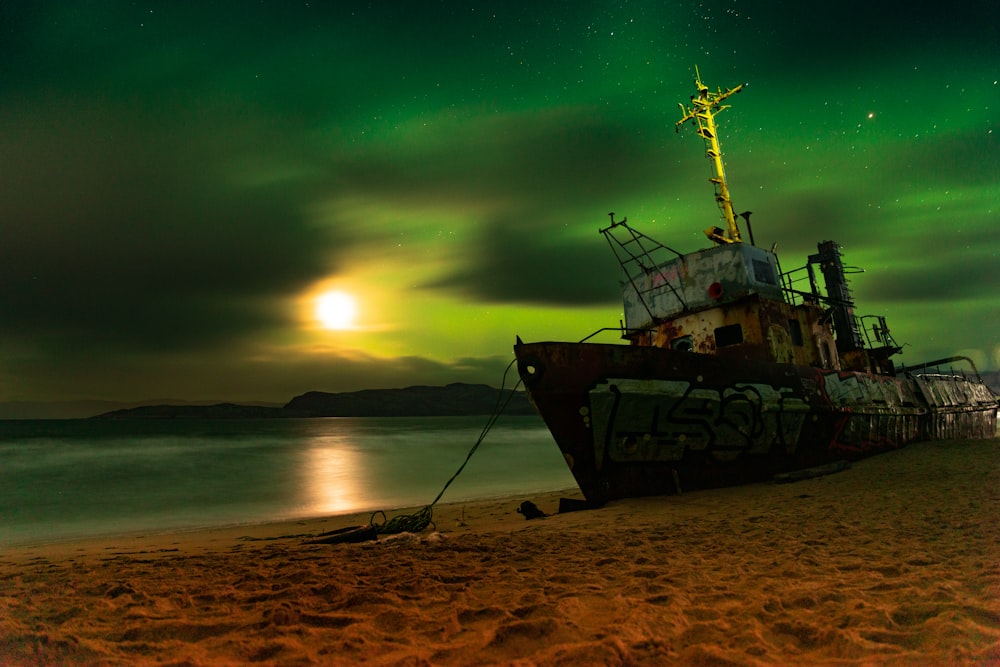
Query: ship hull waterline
{"points": [[638, 421]]}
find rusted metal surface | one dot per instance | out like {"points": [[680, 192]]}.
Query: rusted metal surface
{"points": [[768, 331], [630, 419]]}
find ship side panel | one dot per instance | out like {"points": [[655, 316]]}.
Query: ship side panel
{"points": [[557, 377], [636, 421], [753, 328], [642, 421], [876, 412], [958, 407]]}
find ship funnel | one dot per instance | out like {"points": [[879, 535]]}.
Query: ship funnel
{"points": [[844, 322]]}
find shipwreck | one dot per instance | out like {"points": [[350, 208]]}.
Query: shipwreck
{"points": [[731, 369]]}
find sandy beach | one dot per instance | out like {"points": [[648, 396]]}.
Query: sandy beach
{"points": [[895, 561]]}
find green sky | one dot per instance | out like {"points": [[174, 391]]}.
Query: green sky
{"points": [[181, 180]]}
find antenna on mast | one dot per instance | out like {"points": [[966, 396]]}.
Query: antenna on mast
{"points": [[705, 105]]}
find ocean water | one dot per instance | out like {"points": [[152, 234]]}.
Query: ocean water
{"points": [[65, 479]]}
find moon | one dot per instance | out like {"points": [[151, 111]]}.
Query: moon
{"points": [[336, 310]]}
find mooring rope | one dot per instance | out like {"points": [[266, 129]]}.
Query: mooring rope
{"points": [[424, 517]]}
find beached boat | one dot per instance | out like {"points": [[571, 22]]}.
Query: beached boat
{"points": [[732, 369]]}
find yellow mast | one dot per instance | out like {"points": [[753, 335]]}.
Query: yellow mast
{"points": [[704, 107]]}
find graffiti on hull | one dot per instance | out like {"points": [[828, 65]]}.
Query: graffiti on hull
{"points": [[661, 420], [878, 412], [857, 390]]}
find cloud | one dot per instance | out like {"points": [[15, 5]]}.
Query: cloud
{"points": [[850, 35], [133, 232], [528, 262], [936, 275], [528, 163], [245, 372], [176, 181], [966, 157], [524, 187]]}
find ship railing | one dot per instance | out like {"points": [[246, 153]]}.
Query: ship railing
{"points": [[639, 256], [622, 330], [876, 332], [792, 283], [642, 251], [937, 369]]}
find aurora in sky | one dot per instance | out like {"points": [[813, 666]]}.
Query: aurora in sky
{"points": [[248, 200]]}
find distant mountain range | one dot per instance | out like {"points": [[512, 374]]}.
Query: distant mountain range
{"points": [[80, 409], [456, 399], [453, 399]]}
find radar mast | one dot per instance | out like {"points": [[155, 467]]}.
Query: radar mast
{"points": [[704, 107]]}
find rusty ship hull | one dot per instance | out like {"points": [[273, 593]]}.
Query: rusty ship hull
{"points": [[637, 421]]}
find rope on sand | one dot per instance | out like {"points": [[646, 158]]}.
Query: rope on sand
{"points": [[404, 523], [424, 517]]}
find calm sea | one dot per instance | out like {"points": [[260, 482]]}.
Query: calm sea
{"points": [[64, 479]]}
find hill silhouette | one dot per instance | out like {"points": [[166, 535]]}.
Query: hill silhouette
{"points": [[456, 399]]}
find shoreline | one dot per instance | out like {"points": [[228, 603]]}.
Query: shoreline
{"points": [[455, 513], [895, 560], [355, 517]]}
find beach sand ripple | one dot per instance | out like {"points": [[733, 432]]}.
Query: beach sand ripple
{"points": [[895, 561]]}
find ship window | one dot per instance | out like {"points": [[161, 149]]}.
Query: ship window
{"points": [[763, 273], [728, 335], [682, 344], [795, 330]]}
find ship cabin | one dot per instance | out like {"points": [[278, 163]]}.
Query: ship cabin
{"points": [[726, 301], [733, 301]]}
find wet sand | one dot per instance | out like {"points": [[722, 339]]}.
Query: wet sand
{"points": [[895, 561]]}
